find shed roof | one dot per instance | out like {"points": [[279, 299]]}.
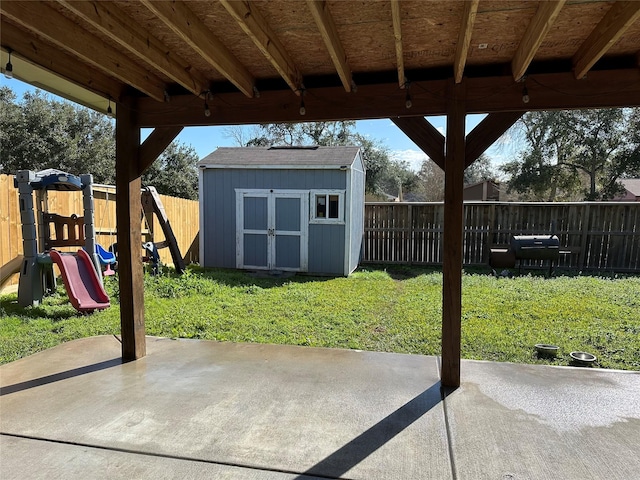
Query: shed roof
{"points": [[632, 185], [280, 157]]}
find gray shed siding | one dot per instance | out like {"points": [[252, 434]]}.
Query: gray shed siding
{"points": [[326, 242]]}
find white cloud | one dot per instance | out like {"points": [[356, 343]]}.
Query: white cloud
{"points": [[413, 157]]}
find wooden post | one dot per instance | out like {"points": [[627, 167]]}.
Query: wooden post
{"points": [[129, 233], [453, 235]]}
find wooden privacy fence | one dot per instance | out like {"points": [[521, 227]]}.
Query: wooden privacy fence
{"points": [[182, 214], [602, 236]]}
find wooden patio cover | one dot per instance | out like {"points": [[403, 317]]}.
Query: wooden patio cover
{"points": [[160, 62]]}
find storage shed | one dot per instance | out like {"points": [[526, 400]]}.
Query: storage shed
{"points": [[297, 209]]}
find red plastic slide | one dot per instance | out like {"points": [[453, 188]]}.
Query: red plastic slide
{"points": [[81, 281]]}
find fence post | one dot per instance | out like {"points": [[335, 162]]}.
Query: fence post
{"points": [[586, 222], [410, 234]]}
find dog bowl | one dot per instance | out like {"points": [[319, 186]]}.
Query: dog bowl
{"points": [[582, 359], [544, 349]]}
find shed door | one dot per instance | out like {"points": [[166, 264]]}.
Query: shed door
{"points": [[271, 232]]}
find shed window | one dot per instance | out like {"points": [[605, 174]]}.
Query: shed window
{"points": [[327, 206]]}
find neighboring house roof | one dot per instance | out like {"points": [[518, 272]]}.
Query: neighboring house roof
{"points": [[632, 185], [280, 157]]}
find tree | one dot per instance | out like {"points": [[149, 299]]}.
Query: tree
{"points": [[430, 184], [175, 172], [39, 133], [577, 154], [383, 173], [479, 171]]}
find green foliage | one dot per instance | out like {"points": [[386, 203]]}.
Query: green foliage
{"points": [[393, 310], [175, 172], [577, 154], [39, 133]]}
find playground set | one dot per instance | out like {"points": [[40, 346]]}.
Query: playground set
{"points": [[81, 271]]}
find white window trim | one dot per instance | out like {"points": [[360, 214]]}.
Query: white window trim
{"points": [[325, 220]]}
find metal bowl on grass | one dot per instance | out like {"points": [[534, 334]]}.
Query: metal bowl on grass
{"points": [[582, 359], [546, 350]]}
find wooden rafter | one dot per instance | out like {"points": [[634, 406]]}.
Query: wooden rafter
{"points": [[487, 132], [255, 26], [537, 29], [42, 54], [397, 35], [327, 27], [119, 27], [184, 23], [154, 145], [59, 30], [464, 37], [619, 17], [424, 135]]}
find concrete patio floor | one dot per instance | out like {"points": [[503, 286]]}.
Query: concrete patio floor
{"points": [[200, 409]]}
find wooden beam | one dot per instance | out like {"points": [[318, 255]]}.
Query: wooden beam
{"points": [[122, 29], [154, 145], [129, 234], [453, 236], [42, 54], [617, 20], [537, 29], [327, 27], [424, 135], [469, 11], [396, 18], [487, 132], [385, 100], [40, 18], [255, 26], [184, 23]]}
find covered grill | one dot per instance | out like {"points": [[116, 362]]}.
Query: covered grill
{"points": [[536, 247]]}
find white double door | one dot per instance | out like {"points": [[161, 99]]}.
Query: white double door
{"points": [[272, 229]]}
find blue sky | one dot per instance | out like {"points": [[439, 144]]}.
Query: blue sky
{"points": [[206, 139]]}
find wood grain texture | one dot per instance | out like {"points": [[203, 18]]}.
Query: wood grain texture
{"points": [[154, 145], [255, 26], [617, 20], [452, 241], [485, 134], [128, 205], [464, 38], [327, 27], [115, 24], [534, 35], [424, 135], [63, 33], [184, 23]]}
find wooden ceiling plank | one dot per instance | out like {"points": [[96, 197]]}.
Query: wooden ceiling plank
{"points": [[464, 38], [537, 29], [121, 28], [327, 27], [154, 145], [258, 30], [553, 91], [59, 30], [490, 129], [424, 135], [617, 20], [184, 23], [42, 54], [397, 35]]}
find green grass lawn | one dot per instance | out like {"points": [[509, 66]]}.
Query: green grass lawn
{"points": [[394, 310]]}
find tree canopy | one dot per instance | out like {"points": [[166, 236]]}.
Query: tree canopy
{"points": [[575, 155], [39, 132]]}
